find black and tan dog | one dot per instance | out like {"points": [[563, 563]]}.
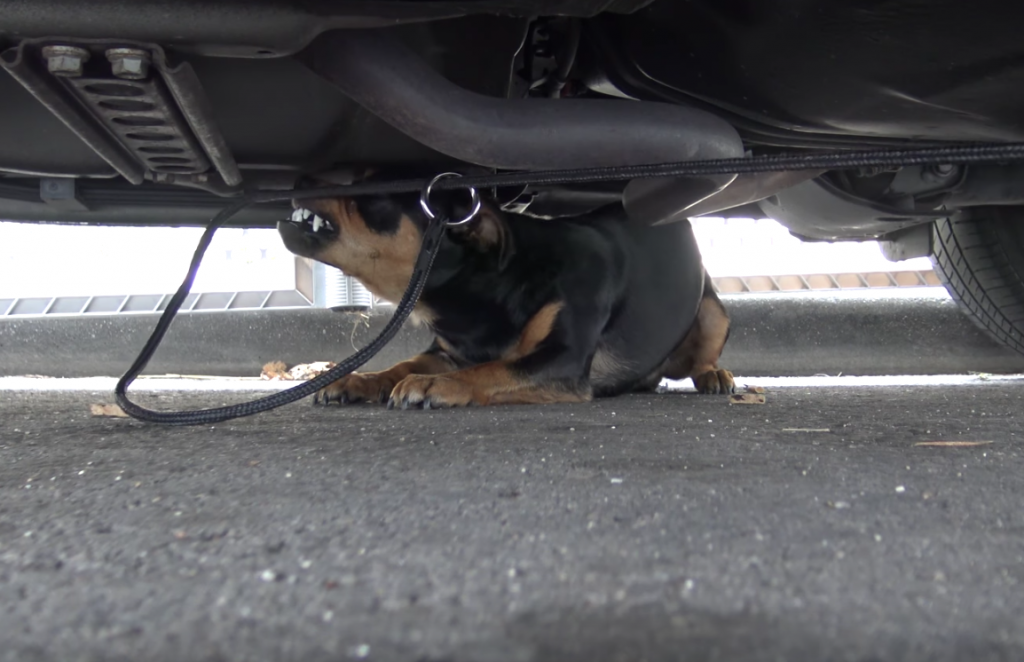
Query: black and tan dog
{"points": [[525, 310]]}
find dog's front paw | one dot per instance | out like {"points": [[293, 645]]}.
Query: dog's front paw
{"points": [[715, 382], [433, 392], [357, 387]]}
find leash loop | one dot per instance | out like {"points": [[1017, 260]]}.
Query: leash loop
{"points": [[425, 199]]}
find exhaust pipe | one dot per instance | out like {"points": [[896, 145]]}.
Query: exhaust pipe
{"points": [[395, 84]]}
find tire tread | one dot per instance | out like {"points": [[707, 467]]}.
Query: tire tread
{"points": [[982, 272]]}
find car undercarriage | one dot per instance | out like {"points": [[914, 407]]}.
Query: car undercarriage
{"points": [[150, 113]]}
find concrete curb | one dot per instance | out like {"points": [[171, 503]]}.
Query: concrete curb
{"points": [[913, 332]]}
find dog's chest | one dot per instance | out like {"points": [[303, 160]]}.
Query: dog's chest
{"points": [[474, 337]]}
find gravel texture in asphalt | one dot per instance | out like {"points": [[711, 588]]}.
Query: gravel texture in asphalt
{"points": [[654, 527]]}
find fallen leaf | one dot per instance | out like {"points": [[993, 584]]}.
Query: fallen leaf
{"points": [[275, 371], [806, 430], [279, 371], [953, 444], [754, 389], [109, 411], [746, 399]]}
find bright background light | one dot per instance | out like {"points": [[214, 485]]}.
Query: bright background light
{"points": [[66, 260]]}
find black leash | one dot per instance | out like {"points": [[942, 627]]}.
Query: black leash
{"points": [[431, 242], [961, 154]]}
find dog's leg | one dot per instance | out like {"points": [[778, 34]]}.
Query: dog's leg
{"points": [[497, 382], [697, 356], [547, 364], [377, 386]]}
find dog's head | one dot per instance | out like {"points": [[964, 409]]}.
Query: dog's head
{"points": [[376, 239]]}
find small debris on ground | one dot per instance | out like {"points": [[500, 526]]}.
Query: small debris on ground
{"points": [[305, 371], [279, 371], [109, 411], [275, 370], [746, 399], [953, 444]]}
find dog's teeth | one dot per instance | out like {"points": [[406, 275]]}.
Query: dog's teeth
{"points": [[306, 214], [297, 216], [317, 222]]}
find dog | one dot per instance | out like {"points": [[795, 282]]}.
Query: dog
{"points": [[524, 310]]}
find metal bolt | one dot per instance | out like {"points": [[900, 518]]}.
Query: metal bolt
{"points": [[129, 63], [65, 60]]}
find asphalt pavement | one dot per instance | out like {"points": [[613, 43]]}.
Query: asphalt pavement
{"points": [[654, 527]]}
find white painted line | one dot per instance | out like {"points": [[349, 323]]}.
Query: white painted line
{"points": [[858, 381], [147, 384], [150, 384]]}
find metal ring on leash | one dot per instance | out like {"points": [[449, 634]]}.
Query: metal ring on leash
{"points": [[425, 199]]}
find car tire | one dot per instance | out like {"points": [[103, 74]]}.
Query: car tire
{"points": [[980, 260]]}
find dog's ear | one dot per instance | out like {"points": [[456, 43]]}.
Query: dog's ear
{"points": [[488, 232]]}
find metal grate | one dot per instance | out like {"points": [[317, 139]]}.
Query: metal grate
{"points": [[841, 281], [120, 304], [144, 117]]}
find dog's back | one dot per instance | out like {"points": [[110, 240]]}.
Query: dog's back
{"points": [[652, 275]]}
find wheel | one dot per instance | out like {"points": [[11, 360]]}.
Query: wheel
{"points": [[980, 260]]}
